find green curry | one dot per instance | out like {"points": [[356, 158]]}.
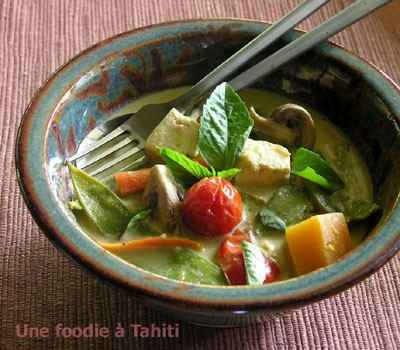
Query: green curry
{"points": [[267, 171]]}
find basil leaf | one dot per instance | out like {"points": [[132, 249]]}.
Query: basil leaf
{"points": [[271, 220], [188, 170], [189, 266], [101, 205], [225, 125], [229, 173], [254, 262], [183, 167], [311, 175], [311, 166]]}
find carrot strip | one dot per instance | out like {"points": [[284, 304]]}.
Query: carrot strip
{"points": [[150, 242], [131, 181]]}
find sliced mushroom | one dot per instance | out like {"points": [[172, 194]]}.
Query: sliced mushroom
{"points": [[164, 196], [289, 124]]}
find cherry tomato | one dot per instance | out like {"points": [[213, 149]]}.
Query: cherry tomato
{"points": [[230, 258], [212, 207]]}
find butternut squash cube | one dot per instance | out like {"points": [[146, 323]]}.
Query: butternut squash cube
{"points": [[318, 241]]}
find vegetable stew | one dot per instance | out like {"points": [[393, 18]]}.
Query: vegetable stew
{"points": [[253, 189]]}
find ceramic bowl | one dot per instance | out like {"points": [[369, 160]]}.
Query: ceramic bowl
{"points": [[360, 99]]}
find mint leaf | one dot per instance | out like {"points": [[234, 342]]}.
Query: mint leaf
{"points": [[183, 167], [229, 173], [271, 220], [225, 125], [312, 167], [254, 262]]}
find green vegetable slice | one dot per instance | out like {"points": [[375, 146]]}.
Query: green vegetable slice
{"points": [[189, 266], [101, 205], [319, 198], [189, 171], [141, 225], [254, 262], [75, 205], [353, 209], [291, 204], [271, 220], [225, 125], [312, 167]]}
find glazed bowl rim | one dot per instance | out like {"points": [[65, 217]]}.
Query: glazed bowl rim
{"points": [[53, 220]]}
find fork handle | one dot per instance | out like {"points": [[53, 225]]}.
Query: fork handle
{"points": [[186, 102], [341, 20]]}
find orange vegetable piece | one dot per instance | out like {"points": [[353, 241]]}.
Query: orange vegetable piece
{"points": [[318, 241], [151, 242], [129, 182]]}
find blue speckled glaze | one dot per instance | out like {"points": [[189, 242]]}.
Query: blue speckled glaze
{"points": [[62, 115]]}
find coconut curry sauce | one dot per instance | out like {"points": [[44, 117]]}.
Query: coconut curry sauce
{"points": [[256, 190]]}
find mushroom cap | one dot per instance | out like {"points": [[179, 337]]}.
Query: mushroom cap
{"points": [[271, 130], [299, 120]]}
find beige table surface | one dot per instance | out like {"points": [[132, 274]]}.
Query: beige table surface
{"points": [[41, 287]]}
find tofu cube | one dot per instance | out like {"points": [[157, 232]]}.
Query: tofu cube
{"points": [[175, 131], [263, 163], [318, 241]]}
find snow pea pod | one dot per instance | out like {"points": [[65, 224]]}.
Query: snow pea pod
{"points": [[188, 266], [101, 205]]}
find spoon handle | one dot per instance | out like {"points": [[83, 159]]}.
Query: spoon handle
{"points": [[341, 20], [262, 41]]}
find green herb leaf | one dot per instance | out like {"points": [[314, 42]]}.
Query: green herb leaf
{"points": [[229, 173], [101, 205], [225, 125], [189, 266], [190, 171], [271, 220], [254, 262], [314, 168], [183, 167]]}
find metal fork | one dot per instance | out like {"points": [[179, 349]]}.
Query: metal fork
{"points": [[136, 127]]}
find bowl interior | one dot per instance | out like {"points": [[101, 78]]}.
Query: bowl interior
{"points": [[317, 79], [351, 93]]}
